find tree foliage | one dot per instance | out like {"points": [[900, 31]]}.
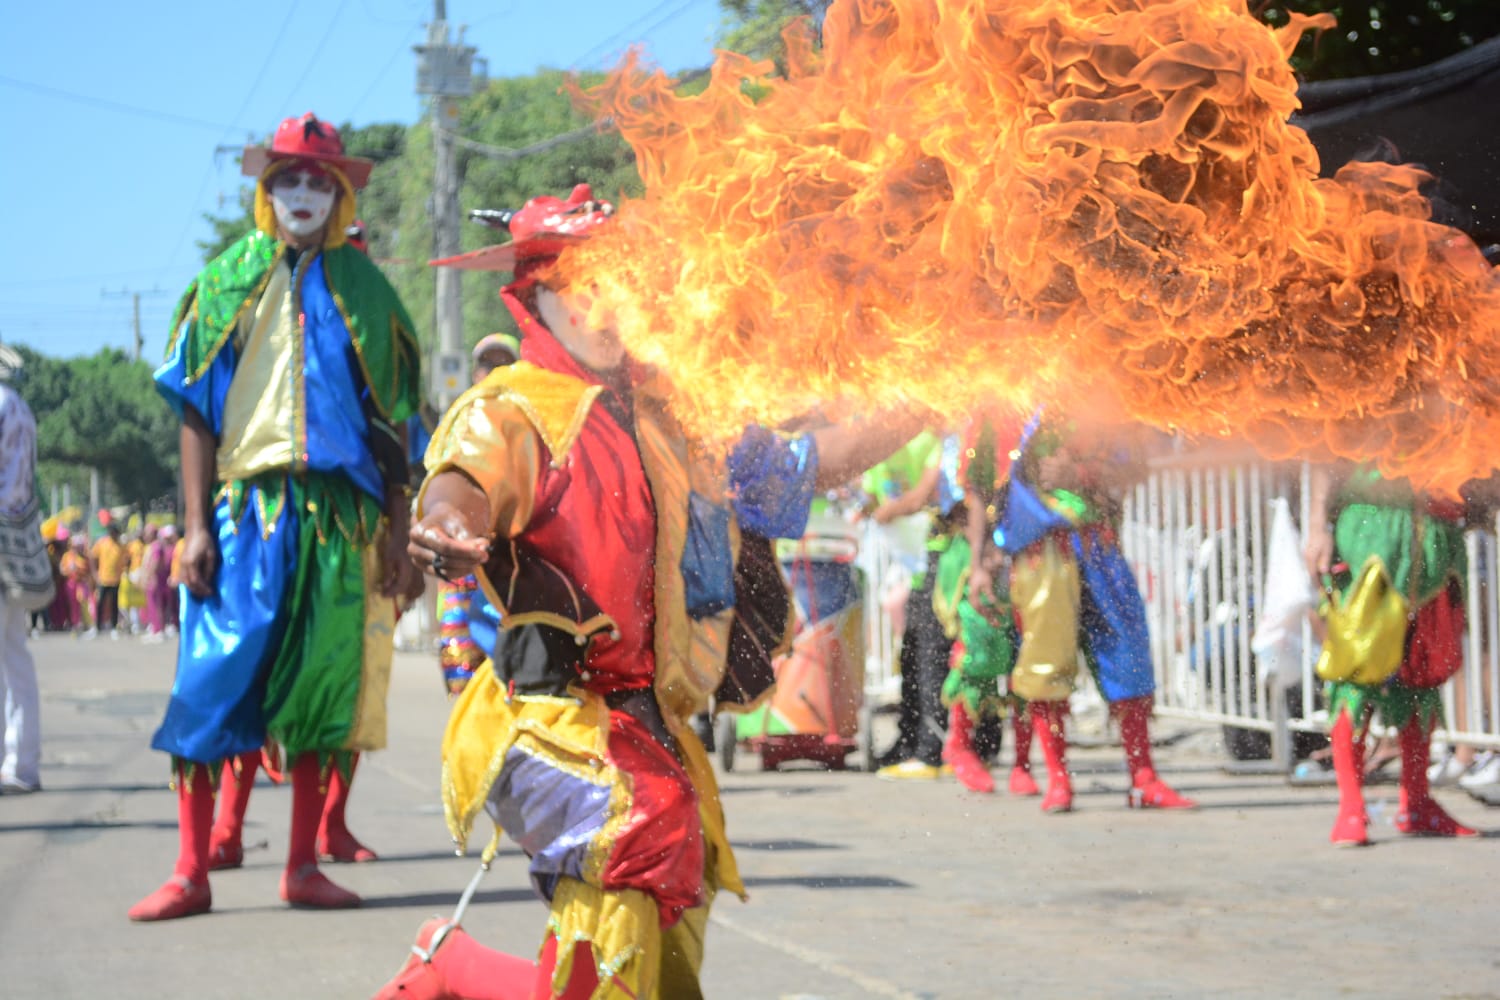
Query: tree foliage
{"points": [[1384, 36], [101, 412], [754, 27]]}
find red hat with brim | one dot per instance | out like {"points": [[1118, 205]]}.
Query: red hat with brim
{"points": [[543, 229], [307, 138]]}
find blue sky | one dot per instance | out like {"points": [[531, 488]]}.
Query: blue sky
{"points": [[122, 122]]}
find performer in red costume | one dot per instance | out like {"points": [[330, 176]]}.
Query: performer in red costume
{"points": [[605, 545]]}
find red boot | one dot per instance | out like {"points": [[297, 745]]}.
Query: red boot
{"points": [[226, 847], [186, 893], [1349, 829], [1418, 814], [1021, 781], [335, 842], [1048, 719], [301, 883], [446, 964], [1147, 791], [958, 752]]}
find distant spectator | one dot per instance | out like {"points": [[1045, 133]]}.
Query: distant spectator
{"points": [[108, 561], [20, 704]]}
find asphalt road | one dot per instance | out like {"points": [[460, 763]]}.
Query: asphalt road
{"points": [[859, 888]]}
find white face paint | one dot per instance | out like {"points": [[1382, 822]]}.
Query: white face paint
{"points": [[303, 200]]}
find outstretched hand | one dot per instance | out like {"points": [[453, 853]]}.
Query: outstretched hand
{"points": [[441, 544]]}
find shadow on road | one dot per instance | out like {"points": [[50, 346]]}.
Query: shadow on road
{"points": [[786, 845], [827, 882]]}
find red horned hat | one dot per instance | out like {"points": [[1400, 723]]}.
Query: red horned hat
{"points": [[544, 228], [307, 138]]}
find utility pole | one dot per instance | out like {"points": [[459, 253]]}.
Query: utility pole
{"points": [[445, 74], [135, 323]]}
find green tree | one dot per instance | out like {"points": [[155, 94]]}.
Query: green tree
{"points": [[1384, 36], [753, 27], [102, 412], [514, 113]]}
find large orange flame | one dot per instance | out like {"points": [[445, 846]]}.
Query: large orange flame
{"points": [[1087, 203]]}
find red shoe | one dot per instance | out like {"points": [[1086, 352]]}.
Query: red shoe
{"points": [[1022, 783], [1427, 819], [309, 888], [177, 897], [419, 978], [345, 850], [224, 854], [1349, 830], [1059, 797], [1150, 792]]}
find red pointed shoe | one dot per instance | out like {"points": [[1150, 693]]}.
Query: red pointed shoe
{"points": [[224, 854], [177, 898], [309, 888], [1152, 793], [1059, 797], [344, 850], [1350, 830], [1022, 783], [1427, 819], [970, 770], [419, 978]]}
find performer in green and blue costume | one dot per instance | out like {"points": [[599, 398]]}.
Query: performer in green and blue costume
{"points": [[292, 365]]}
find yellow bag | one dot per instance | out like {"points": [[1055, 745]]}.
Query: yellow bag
{"points": [[1367, 633]]}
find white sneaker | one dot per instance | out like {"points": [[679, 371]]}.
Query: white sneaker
{"points": [[114, 633], [1446, 771], [92, 633], [1484, 773]]}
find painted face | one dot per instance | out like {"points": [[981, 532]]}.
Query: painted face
{"points": [[302, 198]]}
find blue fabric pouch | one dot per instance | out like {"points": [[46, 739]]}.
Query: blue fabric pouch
{"points": [[707, 559], [1026, 520]]}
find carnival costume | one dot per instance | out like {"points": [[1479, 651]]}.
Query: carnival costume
{"points": [[608, 615], [977, 688], [1396, 623], [1073, 592], [299, 364], [919, 539]]}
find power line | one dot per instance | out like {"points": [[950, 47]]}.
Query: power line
{"points": [[265, 64], [402, 46], [327, 34], [117, 106], [628, 29]]}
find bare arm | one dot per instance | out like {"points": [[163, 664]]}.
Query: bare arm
{"points": [[200, 553], [400, 576], [846, 450], [910, 502], [981, 582], [1318, 546]]}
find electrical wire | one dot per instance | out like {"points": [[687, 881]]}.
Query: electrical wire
{"points": [[632, 27], [117, 106], [403, 46], [327, 34]]}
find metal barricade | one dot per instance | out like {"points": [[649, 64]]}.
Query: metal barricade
{"points": [[1196, 533]]}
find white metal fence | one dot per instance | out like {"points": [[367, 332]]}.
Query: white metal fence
{"points": [[1196, 532]]}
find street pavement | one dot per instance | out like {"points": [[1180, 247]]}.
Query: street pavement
{"points": [[859, 887]]}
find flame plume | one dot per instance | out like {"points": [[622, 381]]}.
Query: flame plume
{"points": [[1087, 203]]}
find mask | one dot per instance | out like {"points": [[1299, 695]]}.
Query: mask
{"points": [[302, 200]]}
